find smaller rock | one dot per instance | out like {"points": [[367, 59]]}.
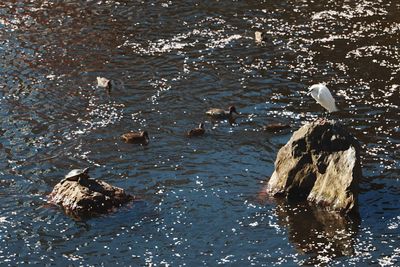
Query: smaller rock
{"points": [[85, 197]]}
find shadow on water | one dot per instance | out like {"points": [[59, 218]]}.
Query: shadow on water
{"points": [[316, 233]]}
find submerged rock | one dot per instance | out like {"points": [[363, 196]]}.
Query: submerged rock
{"points": [[320, 163], [86, 197], [275, 127], [317, 232]]}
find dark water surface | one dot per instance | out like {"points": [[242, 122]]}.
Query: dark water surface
{"points": [[170, 61]]}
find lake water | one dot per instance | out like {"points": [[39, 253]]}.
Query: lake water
{"points": [[201, 198]]}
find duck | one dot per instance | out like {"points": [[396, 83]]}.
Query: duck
{"points": [[197, 131], [220, 114], [104, 82], [136, 137]]}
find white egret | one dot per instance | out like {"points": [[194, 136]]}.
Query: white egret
{"points": [[323, 96]]}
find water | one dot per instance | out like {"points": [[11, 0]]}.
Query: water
{"points": [[200, 198]]}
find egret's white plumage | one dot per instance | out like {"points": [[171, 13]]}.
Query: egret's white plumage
{"points": [[323, 96]]}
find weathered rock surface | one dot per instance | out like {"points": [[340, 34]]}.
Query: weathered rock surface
{"points": [[87, 197], [320, 163]]}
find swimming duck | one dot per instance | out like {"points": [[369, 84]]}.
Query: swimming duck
{"points": [[220, 114], [136, 137], [104, 82], [197, 131]]}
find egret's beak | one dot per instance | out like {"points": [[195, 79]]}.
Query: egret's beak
{"points": [[309, 92]]}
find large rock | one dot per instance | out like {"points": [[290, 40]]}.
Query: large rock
{"points": [[320, 163], [87, 197]]}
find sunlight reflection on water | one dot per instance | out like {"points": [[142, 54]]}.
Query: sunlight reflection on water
{"points": [[170, 62]]}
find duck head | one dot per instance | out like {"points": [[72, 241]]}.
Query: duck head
{"points": [[145, 134], [232, 109], [313, 90]]}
